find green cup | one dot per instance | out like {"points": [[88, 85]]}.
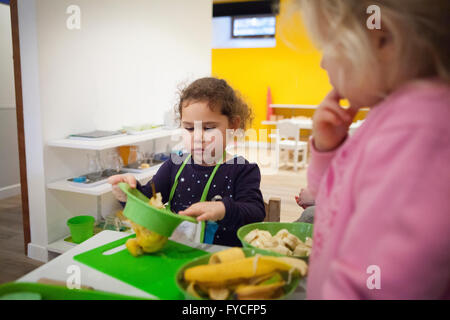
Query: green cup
{"points": [[81, 228]]}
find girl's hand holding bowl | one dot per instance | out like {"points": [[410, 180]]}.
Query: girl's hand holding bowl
{"points": [[115, 180]]}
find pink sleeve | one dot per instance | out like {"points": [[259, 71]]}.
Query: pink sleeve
{"points": [[318, 164], [402, 214]]}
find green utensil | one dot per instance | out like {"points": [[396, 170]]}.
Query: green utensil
{"points": [[298, 229], [182, 285], [153, 273], [81, 228], [27, 291], [138, 210]]}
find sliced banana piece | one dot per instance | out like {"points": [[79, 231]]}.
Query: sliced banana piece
{"points": [[252, 235]]}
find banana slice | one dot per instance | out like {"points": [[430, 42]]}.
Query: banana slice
{"points": [[271, 243], [289, 242], [264, 234], [301, 251], [257, 243], [252, 235], [308, 241], [282, 233], [282, 250]]}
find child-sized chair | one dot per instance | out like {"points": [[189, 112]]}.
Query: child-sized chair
{"points": [[273, 209], [288, 138]]}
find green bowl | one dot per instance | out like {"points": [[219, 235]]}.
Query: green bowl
{"points": [[39, 291], [138, 210], [182, 285], [298, 229]]}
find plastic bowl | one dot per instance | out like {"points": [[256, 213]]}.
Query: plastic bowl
{"points": [[81, 228], [138, 210], [27, 290], [182, 285], [298, 229]]}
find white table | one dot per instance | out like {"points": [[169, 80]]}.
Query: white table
{"points": [[307, 123], [57, 268]]}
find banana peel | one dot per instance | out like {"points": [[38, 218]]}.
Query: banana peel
{"points": [[133, 247], [258, 292], [218, 293], [227, 256], [230, 274], [242, 268], [147, 241]]}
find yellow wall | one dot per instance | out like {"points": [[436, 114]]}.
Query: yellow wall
{"points": [[291, 69]]}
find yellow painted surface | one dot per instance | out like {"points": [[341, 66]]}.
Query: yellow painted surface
{"points": [[291, 69]]}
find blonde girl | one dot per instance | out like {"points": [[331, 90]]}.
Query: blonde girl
{"points": [[382, 218]]}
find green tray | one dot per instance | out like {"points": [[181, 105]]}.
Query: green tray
{"points": [[138, 210], [152, 273], [298, 229], [288, 288], [51, 292]]}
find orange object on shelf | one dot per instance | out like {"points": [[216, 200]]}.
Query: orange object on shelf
{"points": [[269, 102], [124, 152]]}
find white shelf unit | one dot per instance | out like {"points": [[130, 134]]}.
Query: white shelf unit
{"points": [[113, 142], [61, 246], [64, 185]]}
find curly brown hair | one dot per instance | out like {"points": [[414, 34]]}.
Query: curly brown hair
{"points": [[219, 96]]}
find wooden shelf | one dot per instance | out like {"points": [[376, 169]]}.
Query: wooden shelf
{"points": [[113, 142], [64, 185]]}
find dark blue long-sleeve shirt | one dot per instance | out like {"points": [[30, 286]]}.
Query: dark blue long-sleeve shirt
{"points": [[237, 181]]}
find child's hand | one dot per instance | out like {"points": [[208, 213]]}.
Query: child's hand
{"points": [[209, 210], [114, 180], [304, 199], [331, 123]]}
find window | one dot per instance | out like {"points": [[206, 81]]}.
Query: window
{"points": [[253, 27]]}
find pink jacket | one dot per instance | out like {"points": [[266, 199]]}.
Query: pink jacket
{"points": [[382, 218]]}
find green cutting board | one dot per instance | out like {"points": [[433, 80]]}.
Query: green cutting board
{"points": [[153, 273]]}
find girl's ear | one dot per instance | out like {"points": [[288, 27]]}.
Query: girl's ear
{"points": [[235, 122], [383, 43]]}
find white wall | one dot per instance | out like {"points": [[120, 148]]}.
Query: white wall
{"points": [[9, 153], [123, 66]]}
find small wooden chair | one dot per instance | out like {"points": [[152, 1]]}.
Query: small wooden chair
{"points": [[288, 130], [273, 209]]}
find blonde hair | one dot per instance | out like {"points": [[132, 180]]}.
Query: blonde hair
{"points": [[420, 31]]}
